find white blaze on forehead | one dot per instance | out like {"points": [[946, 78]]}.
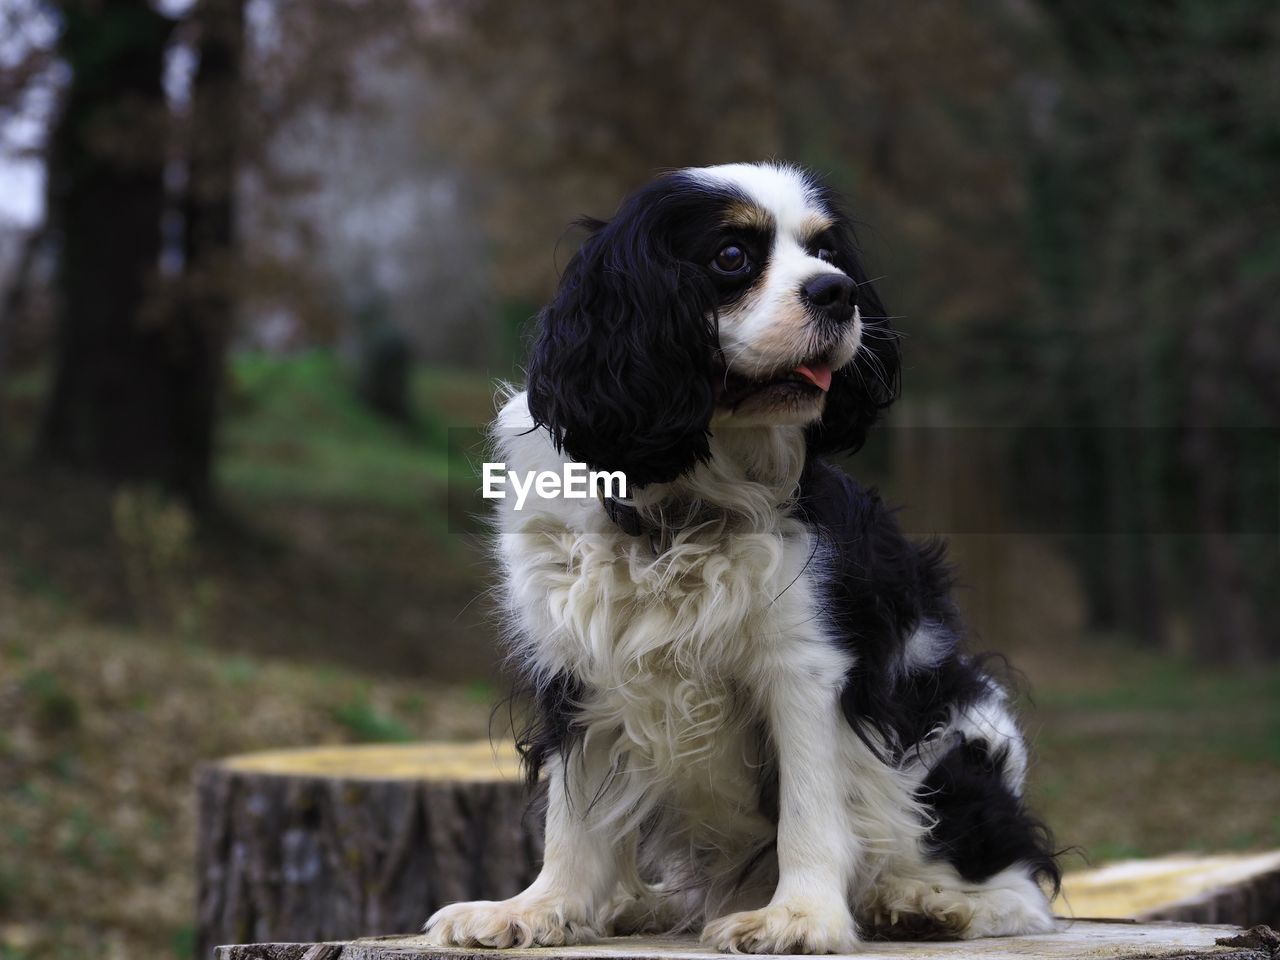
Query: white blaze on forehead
{"points": [[782, 190]]}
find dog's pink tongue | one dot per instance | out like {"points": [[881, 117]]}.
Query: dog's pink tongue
{"points": [[819, 375]]}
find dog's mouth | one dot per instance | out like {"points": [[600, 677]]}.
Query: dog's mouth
{"points": [[807, 380]]}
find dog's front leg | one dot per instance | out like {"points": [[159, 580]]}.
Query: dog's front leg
{"points": [[567, 902], [817, 853]]}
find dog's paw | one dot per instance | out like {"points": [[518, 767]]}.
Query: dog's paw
{"points": [[790, 926], [518, 922], [1007, 913], [918, 910]]}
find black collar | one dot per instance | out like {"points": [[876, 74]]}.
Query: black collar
{"points": [[626, 517], [629, 521]]}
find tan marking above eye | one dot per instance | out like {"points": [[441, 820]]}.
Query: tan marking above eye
{"points": [[813, 225], [748, 216]]}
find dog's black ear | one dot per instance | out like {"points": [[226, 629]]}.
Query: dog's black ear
{"points": [[863, 389], [621, 370]]}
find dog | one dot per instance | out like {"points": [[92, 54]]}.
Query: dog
{"points": [[753, 708]]}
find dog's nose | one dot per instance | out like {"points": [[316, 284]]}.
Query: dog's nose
{"points": [[832, 293]]}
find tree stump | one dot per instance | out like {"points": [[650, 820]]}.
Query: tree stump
{"points": [[335, 843], [338, 842], [1071, 941], [1242, 888]]}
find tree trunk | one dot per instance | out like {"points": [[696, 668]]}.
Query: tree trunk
{"points": [[14, 306], [110, 409], [136, 385], [1229, 632], [341, 842], [207, 304], [1239, 888]]}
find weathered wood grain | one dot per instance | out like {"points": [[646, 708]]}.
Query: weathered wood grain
{"points": [[1074, 940], [1243, 889], [332, 843]]}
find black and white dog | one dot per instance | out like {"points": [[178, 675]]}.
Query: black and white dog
{"points": [[753, 708]]}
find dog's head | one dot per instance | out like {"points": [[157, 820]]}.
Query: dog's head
{"points": [[716, 297]]}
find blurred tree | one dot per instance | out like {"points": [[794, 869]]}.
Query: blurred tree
{"points": [[138, 366], [24, 74], [110, 409], [351, 189], [1079, 215], [384, 360], [15, 299], [1146, 130], [583, 101], [1158, 241], [207, 301]]}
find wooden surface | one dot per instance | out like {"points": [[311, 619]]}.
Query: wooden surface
{"points": [[337, 842], [1078, 939], [476, 761], [1223, 888], [331, 843]]}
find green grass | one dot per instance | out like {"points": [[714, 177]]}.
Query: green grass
{"points": [[368, 724], [1233, 714], [1160, 755], [1162, 683], [295, 428]]}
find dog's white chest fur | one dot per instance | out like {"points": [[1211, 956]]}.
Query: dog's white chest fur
{"points": [[668, 641], [665, 643]]}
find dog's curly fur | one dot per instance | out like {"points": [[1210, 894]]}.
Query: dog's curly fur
{"points": [[752, 702]]}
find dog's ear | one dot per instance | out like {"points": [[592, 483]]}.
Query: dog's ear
{"points": [[864, 388], [621, 370]]}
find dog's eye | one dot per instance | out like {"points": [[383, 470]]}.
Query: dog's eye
{"points": [[731, 259], [827, 255]]}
